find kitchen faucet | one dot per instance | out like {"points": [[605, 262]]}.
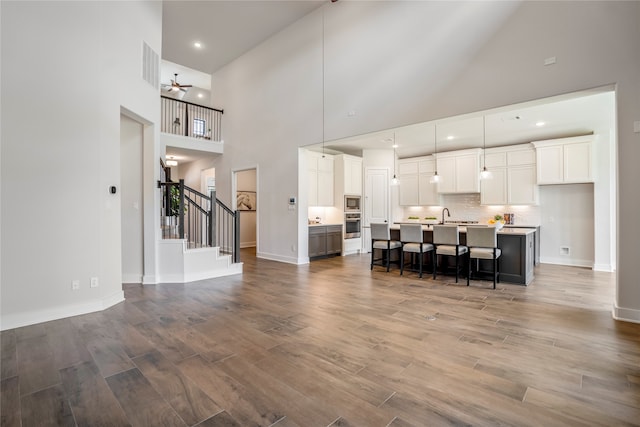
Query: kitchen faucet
{"points": [[448, 214]]}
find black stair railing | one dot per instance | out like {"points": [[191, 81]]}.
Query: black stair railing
{"points": [[192, 120], [190, 215]]}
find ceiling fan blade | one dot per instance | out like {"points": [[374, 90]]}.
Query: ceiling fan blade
{"points": [[185, 85]]}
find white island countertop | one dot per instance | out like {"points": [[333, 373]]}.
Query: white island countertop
{"points": [[463, 229]]}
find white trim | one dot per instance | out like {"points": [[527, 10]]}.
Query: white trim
{"points": [[131, 278], [569, 262], [149, 279], [610, 268], [625, 314], [279, 258], [247, 245], [18, 320]]}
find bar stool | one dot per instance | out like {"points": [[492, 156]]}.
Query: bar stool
{"points": [[447, 242], [483, 244], [381, 239], [413, 242]]}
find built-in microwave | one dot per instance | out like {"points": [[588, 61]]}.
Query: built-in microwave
{"points": [[352, 203]]}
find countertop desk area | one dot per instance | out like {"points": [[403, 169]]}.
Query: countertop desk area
{"points": [[517, 245]]}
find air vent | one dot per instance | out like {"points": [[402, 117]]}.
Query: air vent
{"points": [[150, 66]]}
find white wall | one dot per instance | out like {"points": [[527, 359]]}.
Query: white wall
{"points": [[568, 222], [397, 63], [67, 158], [466, 207], [131, 140]]}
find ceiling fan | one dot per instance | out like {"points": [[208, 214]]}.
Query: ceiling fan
{"points": [[175, 86]]}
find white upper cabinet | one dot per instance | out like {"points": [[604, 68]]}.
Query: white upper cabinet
{"points": [[459, 171], [320, 179], [414, 178], [565, 160], [514, 176], [349, 175]]}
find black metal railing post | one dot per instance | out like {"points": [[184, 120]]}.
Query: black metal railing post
{"points": [[186, 120], [212, 218], [181, 211], [236, 237]]}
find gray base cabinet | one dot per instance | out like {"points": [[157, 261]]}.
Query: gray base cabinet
{"points": [[516, 261], [519, 253], [325, 240]]}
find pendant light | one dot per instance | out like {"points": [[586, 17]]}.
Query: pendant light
{"points": [[485, 174], [435, 178], [394, 180]]}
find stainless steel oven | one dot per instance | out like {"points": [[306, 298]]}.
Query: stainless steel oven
{"points": [[352, 203], [352, 225]]}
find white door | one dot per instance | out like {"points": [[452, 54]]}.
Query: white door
{"points": [[376, 202], [376, 196]]}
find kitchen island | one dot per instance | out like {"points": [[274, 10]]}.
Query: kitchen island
{"points": [[517, 245]]}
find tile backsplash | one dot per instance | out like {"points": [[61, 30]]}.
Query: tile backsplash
{"points": [[466, 207]]}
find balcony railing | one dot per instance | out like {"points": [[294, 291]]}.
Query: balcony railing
{"points": [[192, 120]]}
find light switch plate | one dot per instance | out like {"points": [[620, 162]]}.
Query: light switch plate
{"points": [[636, 126], [94, 282]]}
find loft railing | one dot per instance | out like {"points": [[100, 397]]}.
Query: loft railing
{"points": [[188, 119], [188, 214]]}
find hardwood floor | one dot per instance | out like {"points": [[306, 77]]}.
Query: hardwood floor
{"points": [[333, 344]]}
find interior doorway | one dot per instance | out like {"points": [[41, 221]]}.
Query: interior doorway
{"points": [[131, 199], [208, 180], [246, 191]]}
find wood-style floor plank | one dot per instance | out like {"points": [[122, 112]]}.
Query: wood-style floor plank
{"points": [[140, 401], [10, 402], [47, 407], [333, 343], [36, 364], [191, 403], [8, 355], [247, 405], [91, 400]]}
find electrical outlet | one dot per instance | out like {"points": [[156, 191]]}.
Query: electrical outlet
{"points": [[94, 282], [75, 285]]}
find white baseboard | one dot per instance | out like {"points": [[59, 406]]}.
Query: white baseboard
{"points": [[148, 279], [18, 320], [604, 267], [565, 261], [626, 314], [131, 278], [279, 258], [233, 269], [355, 252], [247, 245]]}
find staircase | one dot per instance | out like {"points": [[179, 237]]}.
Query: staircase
{"points": [[200, 236]]}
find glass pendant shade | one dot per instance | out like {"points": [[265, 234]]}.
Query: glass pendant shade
{"points": [[486, 174]]}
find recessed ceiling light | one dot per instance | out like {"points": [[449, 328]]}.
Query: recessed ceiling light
{"points": [[200, 95], [394, 146], [540, 124], [450, 137], [197, 44]]}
